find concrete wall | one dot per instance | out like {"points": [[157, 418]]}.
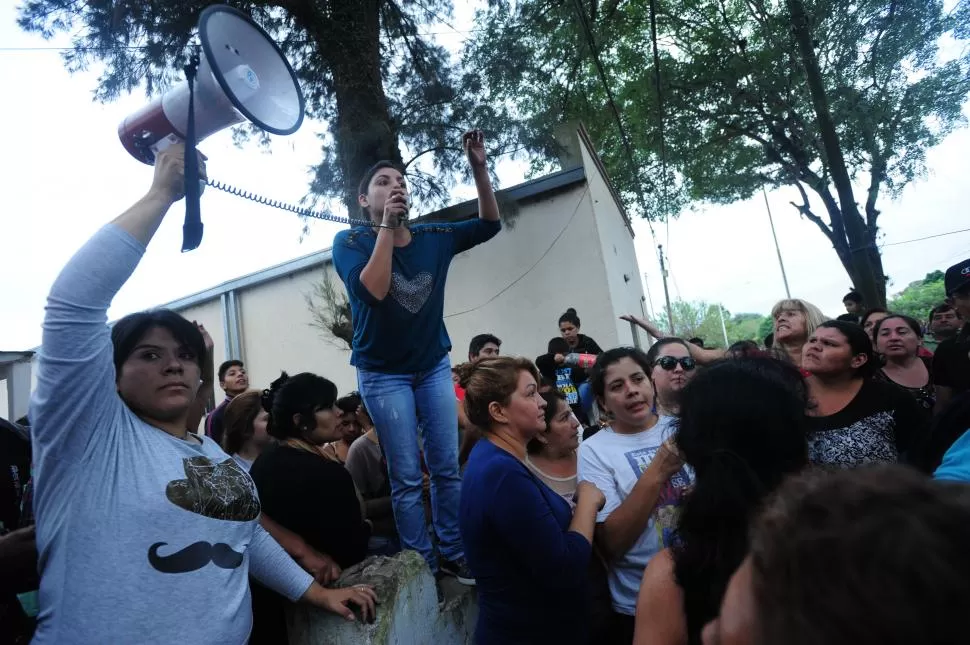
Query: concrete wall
{"points": [[619, 259], [15, 386], [277, 334], [408, 609]]}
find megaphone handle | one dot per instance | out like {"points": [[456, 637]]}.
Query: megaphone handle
{"points": [[192, 228]]}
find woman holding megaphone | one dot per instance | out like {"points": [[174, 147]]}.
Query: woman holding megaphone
{"points": [[395, 275], [145, 531]]}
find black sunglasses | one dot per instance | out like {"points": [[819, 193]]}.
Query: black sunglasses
{"points": [[669, 363]]}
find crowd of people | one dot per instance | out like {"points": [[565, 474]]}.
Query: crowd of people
{"points": [[808, 488]]}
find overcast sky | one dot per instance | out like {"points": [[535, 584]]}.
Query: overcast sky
{"points": [[65, 175]]}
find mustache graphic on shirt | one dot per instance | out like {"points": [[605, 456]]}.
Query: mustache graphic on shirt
{"points": [[194, 557]]}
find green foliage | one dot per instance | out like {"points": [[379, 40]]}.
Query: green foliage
{"points": [[370, 69], [737, 111], [701, 319], [767, 326], [330, 312], [919, 297]]}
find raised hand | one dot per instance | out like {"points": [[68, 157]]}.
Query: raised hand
{"points": [[169, 179], [473, 143], [648, 326], [206, 338]]}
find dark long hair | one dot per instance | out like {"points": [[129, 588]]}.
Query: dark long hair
{"points": [[911, 322], [859, 343], [240, 416], [364, 185], [869, 313], [654, 352], [743, 430], [128, 332], [597, 377], [300, 395], [571, 317], [552, 399]]}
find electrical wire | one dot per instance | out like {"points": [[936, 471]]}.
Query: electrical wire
{"points": [[565, 227], [71, 49], [624, 138], [928, 237]]}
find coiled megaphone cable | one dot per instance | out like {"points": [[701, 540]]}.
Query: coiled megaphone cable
{"points": [[283, 206]]}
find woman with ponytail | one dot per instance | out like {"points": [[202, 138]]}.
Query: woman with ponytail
{"points": [[742, 430], [571, 364], [301, 489]]}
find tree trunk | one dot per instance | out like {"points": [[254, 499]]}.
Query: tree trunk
{"points": [[860, 246], [364, 131]]}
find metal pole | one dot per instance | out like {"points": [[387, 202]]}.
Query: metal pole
{"points": [[720, 312], [646, 283], [663, 274], [771, 221]]}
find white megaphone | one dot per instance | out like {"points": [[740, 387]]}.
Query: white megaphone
{"points": [[242, 76]]}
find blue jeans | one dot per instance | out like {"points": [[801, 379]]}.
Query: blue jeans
{"points": [[398, 405]]}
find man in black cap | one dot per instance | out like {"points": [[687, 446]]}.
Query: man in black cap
{"points": [[951, 361]]}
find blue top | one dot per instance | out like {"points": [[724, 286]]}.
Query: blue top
{"points": [[956, 461], [405, 332], [530, 571]]}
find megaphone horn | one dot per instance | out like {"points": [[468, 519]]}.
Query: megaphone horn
{"points": [[242, 76]]}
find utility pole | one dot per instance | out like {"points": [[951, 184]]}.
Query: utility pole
{"points": [[771, 221], [663, 274], [646, 285], [720, 313]]}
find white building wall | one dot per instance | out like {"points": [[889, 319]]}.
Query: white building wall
{"points": [[619, 260], [518, 284], [15, 388], [277, 334], [209, 314]]}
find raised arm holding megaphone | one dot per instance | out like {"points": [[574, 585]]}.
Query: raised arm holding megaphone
{"points": [[240, 75]]}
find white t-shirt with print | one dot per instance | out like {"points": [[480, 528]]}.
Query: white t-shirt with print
{"points": [[614, 463]]}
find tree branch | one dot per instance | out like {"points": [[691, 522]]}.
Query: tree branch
{"points": [[805, 209], [875, 44]]}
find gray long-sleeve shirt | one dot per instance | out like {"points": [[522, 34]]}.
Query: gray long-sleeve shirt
{"points": [[142, 537]]}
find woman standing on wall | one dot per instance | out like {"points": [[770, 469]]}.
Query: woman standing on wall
{"points": [[395, 277]]}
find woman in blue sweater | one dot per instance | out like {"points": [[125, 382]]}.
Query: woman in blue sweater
{"points": [[395, 276], [528, 552]]}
